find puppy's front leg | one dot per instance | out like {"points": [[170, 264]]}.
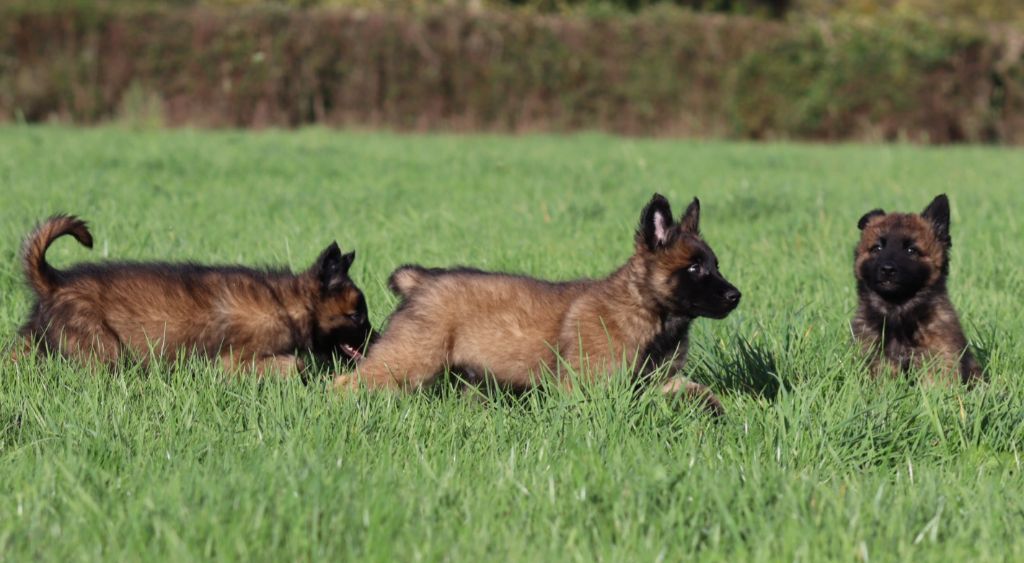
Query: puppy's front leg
{"points": [[695, 391]]}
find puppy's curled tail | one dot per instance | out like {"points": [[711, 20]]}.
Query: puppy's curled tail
{"points": [[404, 281], [41, 276]]}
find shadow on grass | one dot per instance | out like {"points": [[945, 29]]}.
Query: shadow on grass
{"points": [[982, 346], [745, 367]]}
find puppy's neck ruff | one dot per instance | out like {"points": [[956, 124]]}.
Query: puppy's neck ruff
{"points": [[629, 285], [913, 309]]}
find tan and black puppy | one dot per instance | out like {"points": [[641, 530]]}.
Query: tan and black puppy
{"points": [[266, 319], [905, 319], [514, 328]]}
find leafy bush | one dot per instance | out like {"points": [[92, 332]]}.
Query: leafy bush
{"points": [[662, 71], [885, 78]]}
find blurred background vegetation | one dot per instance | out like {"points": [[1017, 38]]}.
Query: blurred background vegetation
{"points": [[975, 10], [934, 71]]}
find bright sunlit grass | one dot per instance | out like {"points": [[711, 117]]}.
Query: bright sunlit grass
{"points": [[813, 461]]}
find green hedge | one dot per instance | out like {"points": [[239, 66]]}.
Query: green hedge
{"points": [[774, 8], [875, 79], [661, 72]]}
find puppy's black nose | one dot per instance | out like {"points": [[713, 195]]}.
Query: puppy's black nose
{"points": [[887, 270], [733, 296]]}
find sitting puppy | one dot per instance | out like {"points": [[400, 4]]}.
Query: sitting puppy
{"points": [[264, 319], [514, 328], [904, 319]]}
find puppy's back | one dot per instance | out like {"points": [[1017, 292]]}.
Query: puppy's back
{"points": [[469, 289], [486, 305], [174, 305], [506, 324]]}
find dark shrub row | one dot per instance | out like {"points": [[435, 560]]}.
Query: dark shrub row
{"points": [[661, 72]]}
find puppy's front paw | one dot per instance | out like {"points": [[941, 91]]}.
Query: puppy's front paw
{"points": [[345, 383], [710, 402], [697, 392]]}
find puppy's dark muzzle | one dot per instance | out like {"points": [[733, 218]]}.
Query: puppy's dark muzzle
{"points": [[355, 343], [731, 300], [886, 272], [732, 297]]}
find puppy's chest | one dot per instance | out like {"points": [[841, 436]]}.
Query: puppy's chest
{"points": [[669, 343], [902, 344], [901, 351]]}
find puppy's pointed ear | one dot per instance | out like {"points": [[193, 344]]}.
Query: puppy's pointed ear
{"points": [[655, 222], [937, 213], [868, 217], [332, 267], [346, 261], [690, 221]]}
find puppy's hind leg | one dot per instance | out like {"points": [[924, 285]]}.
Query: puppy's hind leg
{"points": [[20, 349], [282, 365], [971, 371], [405, 357], [91, 347], [79, 332]]}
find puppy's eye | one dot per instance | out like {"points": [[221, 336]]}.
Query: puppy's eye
{"points": [[355, 317], [913, 251], [875, 248], [694, 268]]}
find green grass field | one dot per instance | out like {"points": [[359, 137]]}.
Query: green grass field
{"points": [[813, 461]]}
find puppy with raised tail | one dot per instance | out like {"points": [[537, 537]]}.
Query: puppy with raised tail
{"points": [[266, 319]]}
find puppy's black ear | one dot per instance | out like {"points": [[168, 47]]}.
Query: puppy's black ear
{"points": [[655, 222], [690, 221], [867, 217], [346, 261], [332, 266], [937, 213]]}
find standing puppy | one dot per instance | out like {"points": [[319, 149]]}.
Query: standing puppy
{"points": [[514, 327], [905, 319], [262, 318]]}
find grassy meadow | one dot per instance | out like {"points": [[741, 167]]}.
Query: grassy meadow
{"points": [[813, 461]]}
